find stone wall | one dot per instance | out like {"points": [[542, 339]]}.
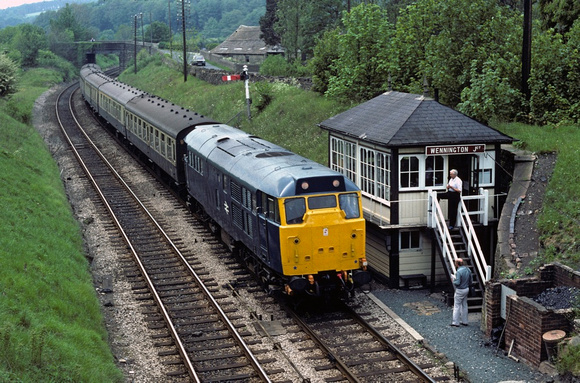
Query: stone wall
{"points": [[215, 77], [526, 320]]}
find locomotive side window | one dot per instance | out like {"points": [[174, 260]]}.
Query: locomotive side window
{"points": [[322, 202], [349, 204], [270, 207], [295, 209]]}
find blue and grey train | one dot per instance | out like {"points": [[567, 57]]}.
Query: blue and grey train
{"points": [[297, 224]]}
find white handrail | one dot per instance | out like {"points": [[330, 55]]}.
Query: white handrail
{"points": [[436, 220], [473, 247]]}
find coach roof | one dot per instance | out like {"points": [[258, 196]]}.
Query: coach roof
{"points": [[166, 116]]}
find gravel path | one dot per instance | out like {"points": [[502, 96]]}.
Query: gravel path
{"points": [[467, 346]]}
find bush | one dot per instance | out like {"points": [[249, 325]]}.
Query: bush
{"points": [[8, 76], [278, 66]]}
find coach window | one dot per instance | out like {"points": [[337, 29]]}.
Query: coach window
{"points": [[295, 209], [163, 151]]}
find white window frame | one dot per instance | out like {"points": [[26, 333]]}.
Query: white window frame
{"points": [[486, 163], [421, 173], [375, 173], [343, 157], [410, 233]]}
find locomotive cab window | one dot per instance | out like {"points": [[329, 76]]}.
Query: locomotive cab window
{"points": [[349, 203], [322, 202], [295, 208]]}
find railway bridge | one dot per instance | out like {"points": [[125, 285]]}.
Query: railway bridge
{"points": [[125, 49]]}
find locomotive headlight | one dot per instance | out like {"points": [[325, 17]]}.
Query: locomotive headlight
{"points": [[305, 185], [296, 241], [336, 183], [353, 235]]}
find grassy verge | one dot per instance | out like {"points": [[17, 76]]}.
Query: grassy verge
{"points": [[288, 116], [559, 221], [51, 327]]}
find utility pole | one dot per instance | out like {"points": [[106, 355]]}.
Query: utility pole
{"points": [[170, 31], [142, 33], [135, 46], [527, 48], [184, 7]]}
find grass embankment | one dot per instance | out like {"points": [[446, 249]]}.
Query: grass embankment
{"points": [[559, 221], [51, 327], [291, 117]]}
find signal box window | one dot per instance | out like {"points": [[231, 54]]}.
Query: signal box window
{"points": [[295, 209], [434, 171], [409, 172], [410, 240]]}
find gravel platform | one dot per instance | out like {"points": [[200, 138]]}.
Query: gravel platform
{"points": [[466, 346]]}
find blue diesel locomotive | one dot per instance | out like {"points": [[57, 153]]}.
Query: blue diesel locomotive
{"points": [[296, 223]]}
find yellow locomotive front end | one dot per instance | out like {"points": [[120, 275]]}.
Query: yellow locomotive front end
{"points": [[322, 242]]}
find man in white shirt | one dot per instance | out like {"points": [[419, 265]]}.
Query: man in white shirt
{"points": [[454, 187]]}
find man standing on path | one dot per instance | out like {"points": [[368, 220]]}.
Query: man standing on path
{"points": [[453, 197], [461, 281]]}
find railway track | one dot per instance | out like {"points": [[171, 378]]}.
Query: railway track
{"points": [[355, 348], [197, 321], [185, 303]]}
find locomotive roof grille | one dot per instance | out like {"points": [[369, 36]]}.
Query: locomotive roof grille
{"points": [[273, 154]]}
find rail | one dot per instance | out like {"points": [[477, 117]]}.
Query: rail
{"points": [[173, 330]]}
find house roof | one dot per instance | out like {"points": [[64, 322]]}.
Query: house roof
{"points": [[396, 119], [245, 40]]}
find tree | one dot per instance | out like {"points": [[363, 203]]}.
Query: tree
{"points": [[66, 23], [559, 14], [158, 31], [267, 23], [292, 25], [8, 78], [322, 64], [365, 50], [28, 41], [439, 39]]}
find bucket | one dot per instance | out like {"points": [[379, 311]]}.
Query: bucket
{"points": [[551, 340]]}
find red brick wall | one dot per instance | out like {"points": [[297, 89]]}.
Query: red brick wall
{"points": [[527, 320]]}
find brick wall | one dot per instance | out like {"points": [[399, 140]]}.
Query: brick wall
{"points": [[527, 320]]}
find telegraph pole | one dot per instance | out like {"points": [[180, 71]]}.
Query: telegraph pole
{"points": [[183, 27], [135, 50]]}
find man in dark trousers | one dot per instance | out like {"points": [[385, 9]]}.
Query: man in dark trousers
{"points": [[453, 197]]}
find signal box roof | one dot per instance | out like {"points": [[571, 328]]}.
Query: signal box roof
{"points": [[396, 119]]}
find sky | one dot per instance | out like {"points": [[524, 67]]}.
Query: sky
{"points": [[14, 3]]}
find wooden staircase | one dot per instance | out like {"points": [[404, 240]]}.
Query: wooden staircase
{"points": [[462, 243]]}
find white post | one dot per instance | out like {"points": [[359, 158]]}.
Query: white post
{"points": [[247, 83]]}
